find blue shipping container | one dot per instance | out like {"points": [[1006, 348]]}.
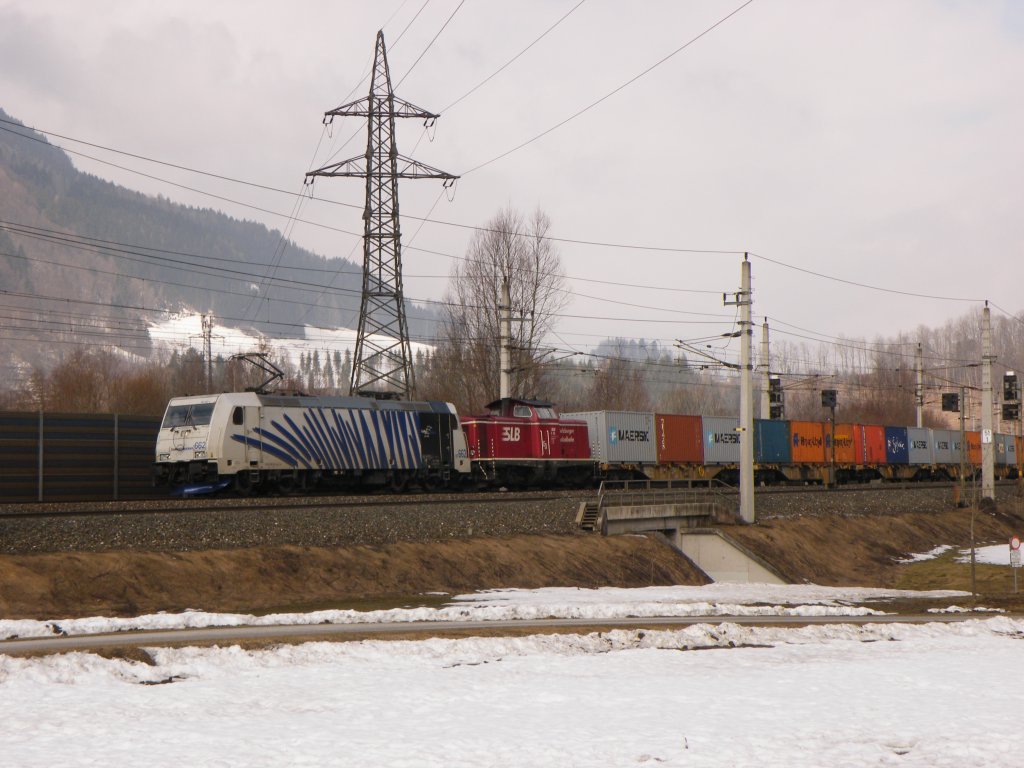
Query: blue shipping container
{"points": [[897, 446], [771, 442]]}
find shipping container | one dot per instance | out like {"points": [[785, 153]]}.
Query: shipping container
{"points": [[974, 448], [721, 440], [944, 446], [807, 439], [897, 449], [921, 446], [844, 444], [999, 449], [869, 441], [771, 442], [620, 437], [678, 439], [1006, 450], [959, 448]]}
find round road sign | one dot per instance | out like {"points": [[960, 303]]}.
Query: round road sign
{"points": [[1015, 542]]}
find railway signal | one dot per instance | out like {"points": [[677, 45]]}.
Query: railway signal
{"points": [[1011, 387], [829, 400], [776, 405], [951, 402]]}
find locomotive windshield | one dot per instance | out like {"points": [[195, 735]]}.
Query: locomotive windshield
{"points": [[189, 415]]}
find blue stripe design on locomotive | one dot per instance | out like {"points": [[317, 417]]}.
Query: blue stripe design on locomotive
{"points": [[343, 445], [322, 428], [371, 445], [297, 434], [351, 436], [300, 456], [313, 435], [282, 455], [296, 446], [356, 439]]}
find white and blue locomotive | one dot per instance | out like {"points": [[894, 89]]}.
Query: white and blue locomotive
{"points": [[264, 443]]}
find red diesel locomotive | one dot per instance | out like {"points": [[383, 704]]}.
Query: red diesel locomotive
{"points": [[520, 442]]}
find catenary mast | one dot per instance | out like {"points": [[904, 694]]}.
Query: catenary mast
{"points": [[382, 363]]}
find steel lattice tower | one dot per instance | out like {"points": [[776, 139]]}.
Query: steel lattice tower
{"points": [[383, 357]]}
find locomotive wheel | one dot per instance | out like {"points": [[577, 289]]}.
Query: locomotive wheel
{"points": [[286, 482], [243, 483], [433, 483], [399, 482]]}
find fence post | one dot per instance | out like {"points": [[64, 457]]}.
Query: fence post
{"points": [[39, 473], [117, 456]]}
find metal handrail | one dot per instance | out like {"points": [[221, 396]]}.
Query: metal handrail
{"points": [[645, 492]]}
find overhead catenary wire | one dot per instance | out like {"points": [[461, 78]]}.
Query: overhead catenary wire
{"points": [[611, 93]]}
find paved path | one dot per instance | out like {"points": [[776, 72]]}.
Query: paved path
{"points": [[275, 633]]}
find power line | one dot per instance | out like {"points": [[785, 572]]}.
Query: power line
{"points": [[862, 285], [608, 95], [432, 41], [353, 206], [500, 69]]}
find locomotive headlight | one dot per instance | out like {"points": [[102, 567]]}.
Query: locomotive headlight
{"points": [[200, 455], [164, 457]]}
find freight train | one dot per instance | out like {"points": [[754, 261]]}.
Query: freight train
{"points": [[259, 443]]}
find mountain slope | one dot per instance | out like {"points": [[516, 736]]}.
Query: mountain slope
{"points": [[85, 261]]}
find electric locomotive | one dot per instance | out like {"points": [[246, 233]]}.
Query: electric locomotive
{"points": [[262, 442]]}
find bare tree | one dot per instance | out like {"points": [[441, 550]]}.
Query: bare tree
{"points": [[513, 249]]}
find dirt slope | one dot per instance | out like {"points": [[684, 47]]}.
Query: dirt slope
{"points": [[300, 578], [837, 550], [862, 550]]}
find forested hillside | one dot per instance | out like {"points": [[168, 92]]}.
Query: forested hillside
{"points": [[84, 260]]}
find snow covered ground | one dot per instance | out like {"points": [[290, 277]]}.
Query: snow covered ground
{"points": [[997, 554], [506, 604], [186, 330], [893, 695]]}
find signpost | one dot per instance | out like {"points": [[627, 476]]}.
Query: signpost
{"points": [[1015, 558]]}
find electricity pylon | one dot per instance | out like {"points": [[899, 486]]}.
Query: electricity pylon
{"points": [[382, 363]]}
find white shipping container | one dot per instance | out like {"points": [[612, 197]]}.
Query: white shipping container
{"points": [[921, 446], [721, 440], [1006, 450], [620, 437], [945, 444]]}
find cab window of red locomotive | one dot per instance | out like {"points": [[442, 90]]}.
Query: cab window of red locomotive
{"points": [[546, 413], [521, 412], [236, 416]]}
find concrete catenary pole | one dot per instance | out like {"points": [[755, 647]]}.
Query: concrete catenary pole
{"points": [[765, 372], [505, 340], [988, 459], [919, 393], [207, 321], [745, 300]]}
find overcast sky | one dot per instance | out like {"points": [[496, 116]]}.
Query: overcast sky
{"points": [[869, 141]]}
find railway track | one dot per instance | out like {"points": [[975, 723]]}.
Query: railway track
{"points": [[363, 501], [258, 504]]}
